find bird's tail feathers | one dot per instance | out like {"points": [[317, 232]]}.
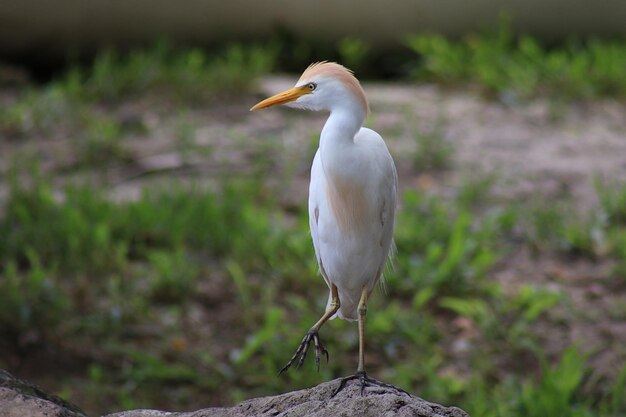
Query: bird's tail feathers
{"points": [[389, 267]]}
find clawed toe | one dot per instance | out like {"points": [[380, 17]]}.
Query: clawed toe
{"points": [[303, 349], [366, 381]]}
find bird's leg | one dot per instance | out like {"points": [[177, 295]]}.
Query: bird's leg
{"points": [[362, 310], [360, 371], [313, 334], [360, 374]]}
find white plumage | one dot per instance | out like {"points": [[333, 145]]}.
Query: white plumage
{"points": [[352, 199], [352, 196]]}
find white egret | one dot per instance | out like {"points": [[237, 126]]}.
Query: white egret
{"points": [[352, 201]]}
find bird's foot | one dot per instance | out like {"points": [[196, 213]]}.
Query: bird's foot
{"points": [[300, 355], [366, 381]]}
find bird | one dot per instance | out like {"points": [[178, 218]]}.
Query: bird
{"points": [[351, 204]]}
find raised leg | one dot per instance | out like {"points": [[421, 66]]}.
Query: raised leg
{"points": [[313, 335]]}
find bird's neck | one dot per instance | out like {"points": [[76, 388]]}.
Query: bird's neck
{"points": [[340, 128], [337, 146]]}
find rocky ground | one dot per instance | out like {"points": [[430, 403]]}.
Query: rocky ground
{"points": [[19, 398]]}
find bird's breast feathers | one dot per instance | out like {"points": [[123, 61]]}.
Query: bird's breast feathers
{"points": [[348, 203]]}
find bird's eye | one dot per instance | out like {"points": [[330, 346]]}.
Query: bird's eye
{"points": [[311, 86]]}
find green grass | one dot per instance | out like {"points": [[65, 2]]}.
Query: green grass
{"points": [[511, 67], [115, 268], [557, 226], [101, 144], [189, 294], [440, 248], [433, 152], [37, 110], [73, 100], [557, 392], [188, 74], [612, 198], [520, 66]]}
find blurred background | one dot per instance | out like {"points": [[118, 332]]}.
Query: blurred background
{"points": [[154, 244]]}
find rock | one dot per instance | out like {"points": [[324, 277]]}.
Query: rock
{"points": [[317, 402], [19, 399]]}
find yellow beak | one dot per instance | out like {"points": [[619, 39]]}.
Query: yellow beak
{"points": [[281, 98]]}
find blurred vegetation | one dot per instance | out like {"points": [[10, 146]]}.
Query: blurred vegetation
{"points": [[504, 65], [120, 282], [521, 67], [184, 76], [188, 73], [191, 295]]}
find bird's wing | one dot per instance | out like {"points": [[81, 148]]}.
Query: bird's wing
{"points": [[317, 188], [387, 216], [387, 190]]}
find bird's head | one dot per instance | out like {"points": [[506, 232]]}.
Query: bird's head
{"points": [[322, 86]]}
